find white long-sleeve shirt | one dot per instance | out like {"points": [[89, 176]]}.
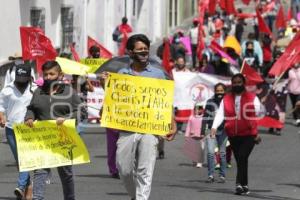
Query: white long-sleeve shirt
{"points": [[14, 104], [258, 107]]}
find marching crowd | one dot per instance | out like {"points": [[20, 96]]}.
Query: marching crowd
{"points": [[226, 121]]}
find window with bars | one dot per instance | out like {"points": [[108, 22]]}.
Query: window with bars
{"points": [[37, 18], [67, 19]]}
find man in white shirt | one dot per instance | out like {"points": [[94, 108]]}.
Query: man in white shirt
{"points": [[194, 40]]}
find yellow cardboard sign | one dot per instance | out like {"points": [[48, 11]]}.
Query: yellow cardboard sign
{"points": [[138, 104], [48, 145], [93, 63]]}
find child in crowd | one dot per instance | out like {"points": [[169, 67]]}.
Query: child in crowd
{"points": [[193, 130]]}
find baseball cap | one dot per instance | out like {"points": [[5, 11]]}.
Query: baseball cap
{"points": [[23, 73]]}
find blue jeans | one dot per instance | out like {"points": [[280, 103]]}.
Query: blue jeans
{"points": [[66, 177], [220, 141], [24, 177]]}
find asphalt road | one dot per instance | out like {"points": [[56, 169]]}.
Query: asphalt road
{"points": [[274, 173]]}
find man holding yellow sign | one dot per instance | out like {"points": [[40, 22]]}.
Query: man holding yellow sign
{"points": [[53, 101], [141, 108]]}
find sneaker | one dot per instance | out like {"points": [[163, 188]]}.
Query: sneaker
{"points": [[217, 166], [221, 179], [239, 190], [229, 165], [199, 165], [210, 179], [297, 123], [19, 193], [161, 155], [116, 176], [246, 190]]}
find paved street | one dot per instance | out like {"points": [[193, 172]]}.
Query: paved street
{"points": [[274, 173]]}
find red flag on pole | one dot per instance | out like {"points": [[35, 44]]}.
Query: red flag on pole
{"points": [[212, 6], [262, 26], [290, 57], [289, 14], [202, 6], [228, 6], [166, 57], [246, 2], [36, 46], [122, 48], [74, 53], [252, 77], [269, 122], [218, 49], [280, 19], [104, 53]]}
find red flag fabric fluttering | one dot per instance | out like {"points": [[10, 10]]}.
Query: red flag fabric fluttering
{"points": [[252, 77], [228, 6], [166, 57], [212, 7], [104, 53], [36, 46], [246, 2], [290, 57], [280, 19], [202, 7], [122, 48], [289, 14], [220, 50], [74, 53], [269, 122], [262, 26]]}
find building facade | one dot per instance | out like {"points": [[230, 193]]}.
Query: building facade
{"points": [[68, 21]]}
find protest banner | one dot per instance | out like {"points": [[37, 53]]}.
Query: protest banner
{"points": [[93, 63], [192, 88], [138, 104], [48, 145]]}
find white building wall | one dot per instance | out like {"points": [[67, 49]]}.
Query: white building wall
{"points": [[97, 18]]}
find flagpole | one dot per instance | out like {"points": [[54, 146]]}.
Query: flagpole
{"points": [[243, 65], [277, 80]]}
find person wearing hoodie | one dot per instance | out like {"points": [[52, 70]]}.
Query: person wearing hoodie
{"points": [[256, 46]]}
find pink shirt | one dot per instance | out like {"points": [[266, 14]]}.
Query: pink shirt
{"points": [[294, 81], [194, 125]]}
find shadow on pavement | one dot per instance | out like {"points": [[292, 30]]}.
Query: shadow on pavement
{"points": [[100, 156], [117, 193], [8, 198], [95, 176], [253, 193]]}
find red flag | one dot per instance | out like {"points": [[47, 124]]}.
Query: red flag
{"points": [[246, 2], [245, 15], [228, 6], [212, 7], [36, 46], [202, 7], [166, 57], [122, 47], [280, 21], [218, 49], [289, 14], [104, 53], [290, 57], [252, 77], [269, 122], [262, 26], [74, 53]]}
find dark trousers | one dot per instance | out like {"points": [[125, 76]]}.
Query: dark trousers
{"points": [[294, 99], [112, 137], [242, 147], [194, 55]]}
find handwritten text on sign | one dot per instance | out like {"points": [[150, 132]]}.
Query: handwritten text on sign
{"points": [[93, 63], [138, 104], [47, 145]]}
